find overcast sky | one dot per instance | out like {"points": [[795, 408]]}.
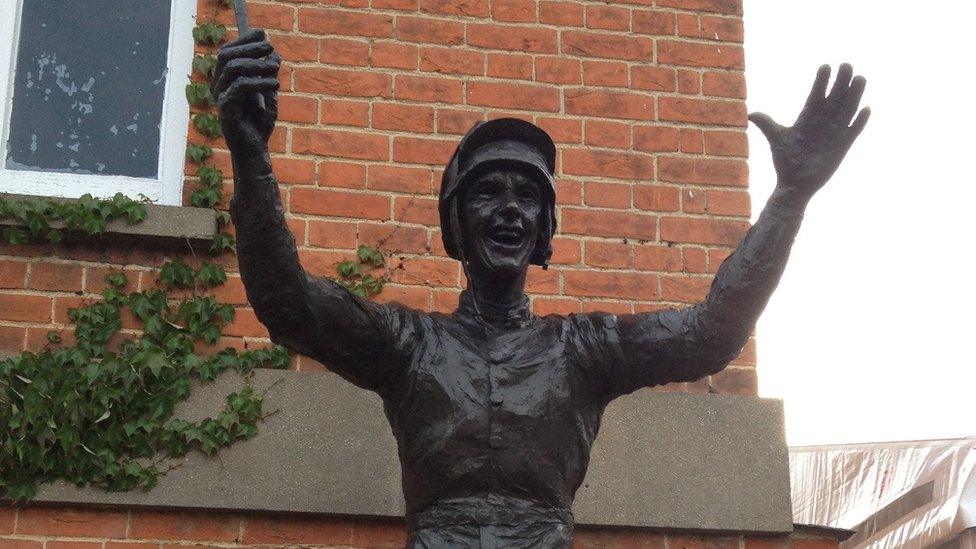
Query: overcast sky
{"points": [[870, 336]]}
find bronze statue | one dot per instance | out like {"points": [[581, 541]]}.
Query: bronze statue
{"points": [[495, 409]]}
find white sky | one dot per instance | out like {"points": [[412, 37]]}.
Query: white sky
{"points": [[870, 336]]}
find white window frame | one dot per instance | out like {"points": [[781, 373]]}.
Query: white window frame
{"points": [[167, 188]]}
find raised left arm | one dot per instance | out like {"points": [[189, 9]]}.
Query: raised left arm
{"points": [[687, 344]]}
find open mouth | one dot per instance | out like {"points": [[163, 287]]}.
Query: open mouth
{"points": [[509, 237]]}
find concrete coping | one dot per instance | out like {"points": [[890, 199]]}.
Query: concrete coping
{"points": [[163, 226]]}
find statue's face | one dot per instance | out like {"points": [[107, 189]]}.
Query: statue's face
{"points": [[500, 221]]}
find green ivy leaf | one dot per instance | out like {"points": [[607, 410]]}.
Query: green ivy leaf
{"points": [[198, 153], [209, 33], [207, 124], [176, 274], [222, 242], [210, 176], [205, 64], [210, 275], [198, 94]]}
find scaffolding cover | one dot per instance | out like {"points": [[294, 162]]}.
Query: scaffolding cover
{"points": [[893, 494]]}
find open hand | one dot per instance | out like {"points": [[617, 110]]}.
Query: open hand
{"points": [[808, 153], [246, 68]]}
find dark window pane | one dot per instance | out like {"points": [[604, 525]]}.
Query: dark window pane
{"points": [[88, 92]]}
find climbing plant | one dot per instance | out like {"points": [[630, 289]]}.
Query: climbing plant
{"points": [[99, 412], [37, 218]]}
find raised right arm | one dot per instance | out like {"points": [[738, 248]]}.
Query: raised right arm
{"points": [[360, 340]]}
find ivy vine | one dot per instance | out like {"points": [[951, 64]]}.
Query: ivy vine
{"points": [[46, 219], [99, 412], [209, 35]]}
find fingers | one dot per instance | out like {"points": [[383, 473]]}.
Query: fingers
{"points": [[244, 89], [767, 125], [243, 67], [858, 126], [819, 90], [851, 101], [239, 50], [253, 35], [843, 81]]}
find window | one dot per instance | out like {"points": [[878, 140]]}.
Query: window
{"points": [[92, 97]]}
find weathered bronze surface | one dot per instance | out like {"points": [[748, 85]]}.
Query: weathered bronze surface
{"points": [[495, 409]]}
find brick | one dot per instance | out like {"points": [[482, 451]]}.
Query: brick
{"points": [[566, 14], [418, 150], [416, 210], [652, 257], [457, 121], [286, 530], [728, 202], [726, 143], [655, 138], [392, 55], [351, 23], [510, 65], [428, 89], [544, 306], [607, 46], [294, 171], [344, 52], [417, 297], [343, 82], [394, 237], [653, 78], [724, 84], [8, 543], [452, 61], [623, 285], [612, 255], [694, 260], [293, 108], [379, 534], [566, 251], [512, 37], [427, 272], [558, 70], [11, 343], [684, 289], [511, 96], [610, 224], [184, 526], [296, 48], [332, 234], [246, 324], [606, 104], [470, 8], [653, 22], [702, 111], [13, 274], [341, 144], [339, 203], [702, 230], [731, 7], [513, 10], [342, 174], [713, 171], [345, 113], [722, 28], [618, 165], [55, 277], [409, 118], [743, 381], [73, 545], [408, 5], [25, 308], [778, 542], [607, 195], [653, 198], [689, 82], [562, 130], [70, 521], [693, 201], [690, 141], [601, 133], [695, 54], [607, 17], [429, 31], [605, 73], [399, 179]]}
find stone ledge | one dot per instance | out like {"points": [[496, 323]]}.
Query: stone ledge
{"points": [[164, 226], [703, 463]]}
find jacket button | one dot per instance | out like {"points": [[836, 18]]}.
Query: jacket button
{"points": [[495, 441]]}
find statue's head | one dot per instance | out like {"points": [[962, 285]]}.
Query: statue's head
{"points": [[497, 201]]}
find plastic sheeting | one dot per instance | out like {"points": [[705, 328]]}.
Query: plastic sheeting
{"points": [[893, 494]]}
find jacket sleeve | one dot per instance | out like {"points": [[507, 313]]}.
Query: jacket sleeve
{"points": [[676, 345], [364, 342]]}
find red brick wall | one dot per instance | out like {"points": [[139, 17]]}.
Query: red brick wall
{"points": [[645, 99], [72, 528]]}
